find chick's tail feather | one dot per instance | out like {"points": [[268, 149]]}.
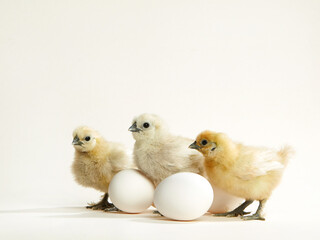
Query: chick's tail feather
{"points": [[285, 153]]}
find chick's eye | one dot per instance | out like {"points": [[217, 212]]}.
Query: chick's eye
{"points": [[146, 125], [87, 138], [204, 142]]}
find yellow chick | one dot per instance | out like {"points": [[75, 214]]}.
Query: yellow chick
{"points": [[244, 171], [96, 161]]}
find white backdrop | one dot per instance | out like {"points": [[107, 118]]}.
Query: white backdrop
{"points": [[247, 68]]}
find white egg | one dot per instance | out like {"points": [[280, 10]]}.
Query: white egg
{"points": [[131, 191], [223, 201], [183, 196]]}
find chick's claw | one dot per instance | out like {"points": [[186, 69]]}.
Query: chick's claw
{"points": [[102, 205], [98, 206], [255, 216], [231, 214], [112, 209], [239, 211], [157, 212]]}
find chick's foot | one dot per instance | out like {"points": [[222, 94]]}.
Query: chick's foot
{"points": [[157, 212], [102, 205], [239, 211], [255, 216], [112, 209], [231, 214]]}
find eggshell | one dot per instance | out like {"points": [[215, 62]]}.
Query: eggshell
{"points": [[183, 196], [131, 191], [223, 201]]}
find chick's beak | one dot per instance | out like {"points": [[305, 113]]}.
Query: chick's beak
{"points": [[134, 128], [76, 141], [194, 146]]}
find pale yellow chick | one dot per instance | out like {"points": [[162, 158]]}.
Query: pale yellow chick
{"points": [[158, 153], [96, 161], [248, 172]]}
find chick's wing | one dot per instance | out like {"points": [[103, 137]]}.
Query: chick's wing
{"points": [[254, 162]]}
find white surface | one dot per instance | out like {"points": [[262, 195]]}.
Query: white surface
{"points": [[131, 191], [183, 196], [248, 68], [80, 223]]}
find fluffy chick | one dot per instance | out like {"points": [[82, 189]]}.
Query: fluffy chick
{"points": [[158, 153], [244, 171], [96, 161]]}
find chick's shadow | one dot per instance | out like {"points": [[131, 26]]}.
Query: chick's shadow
{"points": [[145, 217]]}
